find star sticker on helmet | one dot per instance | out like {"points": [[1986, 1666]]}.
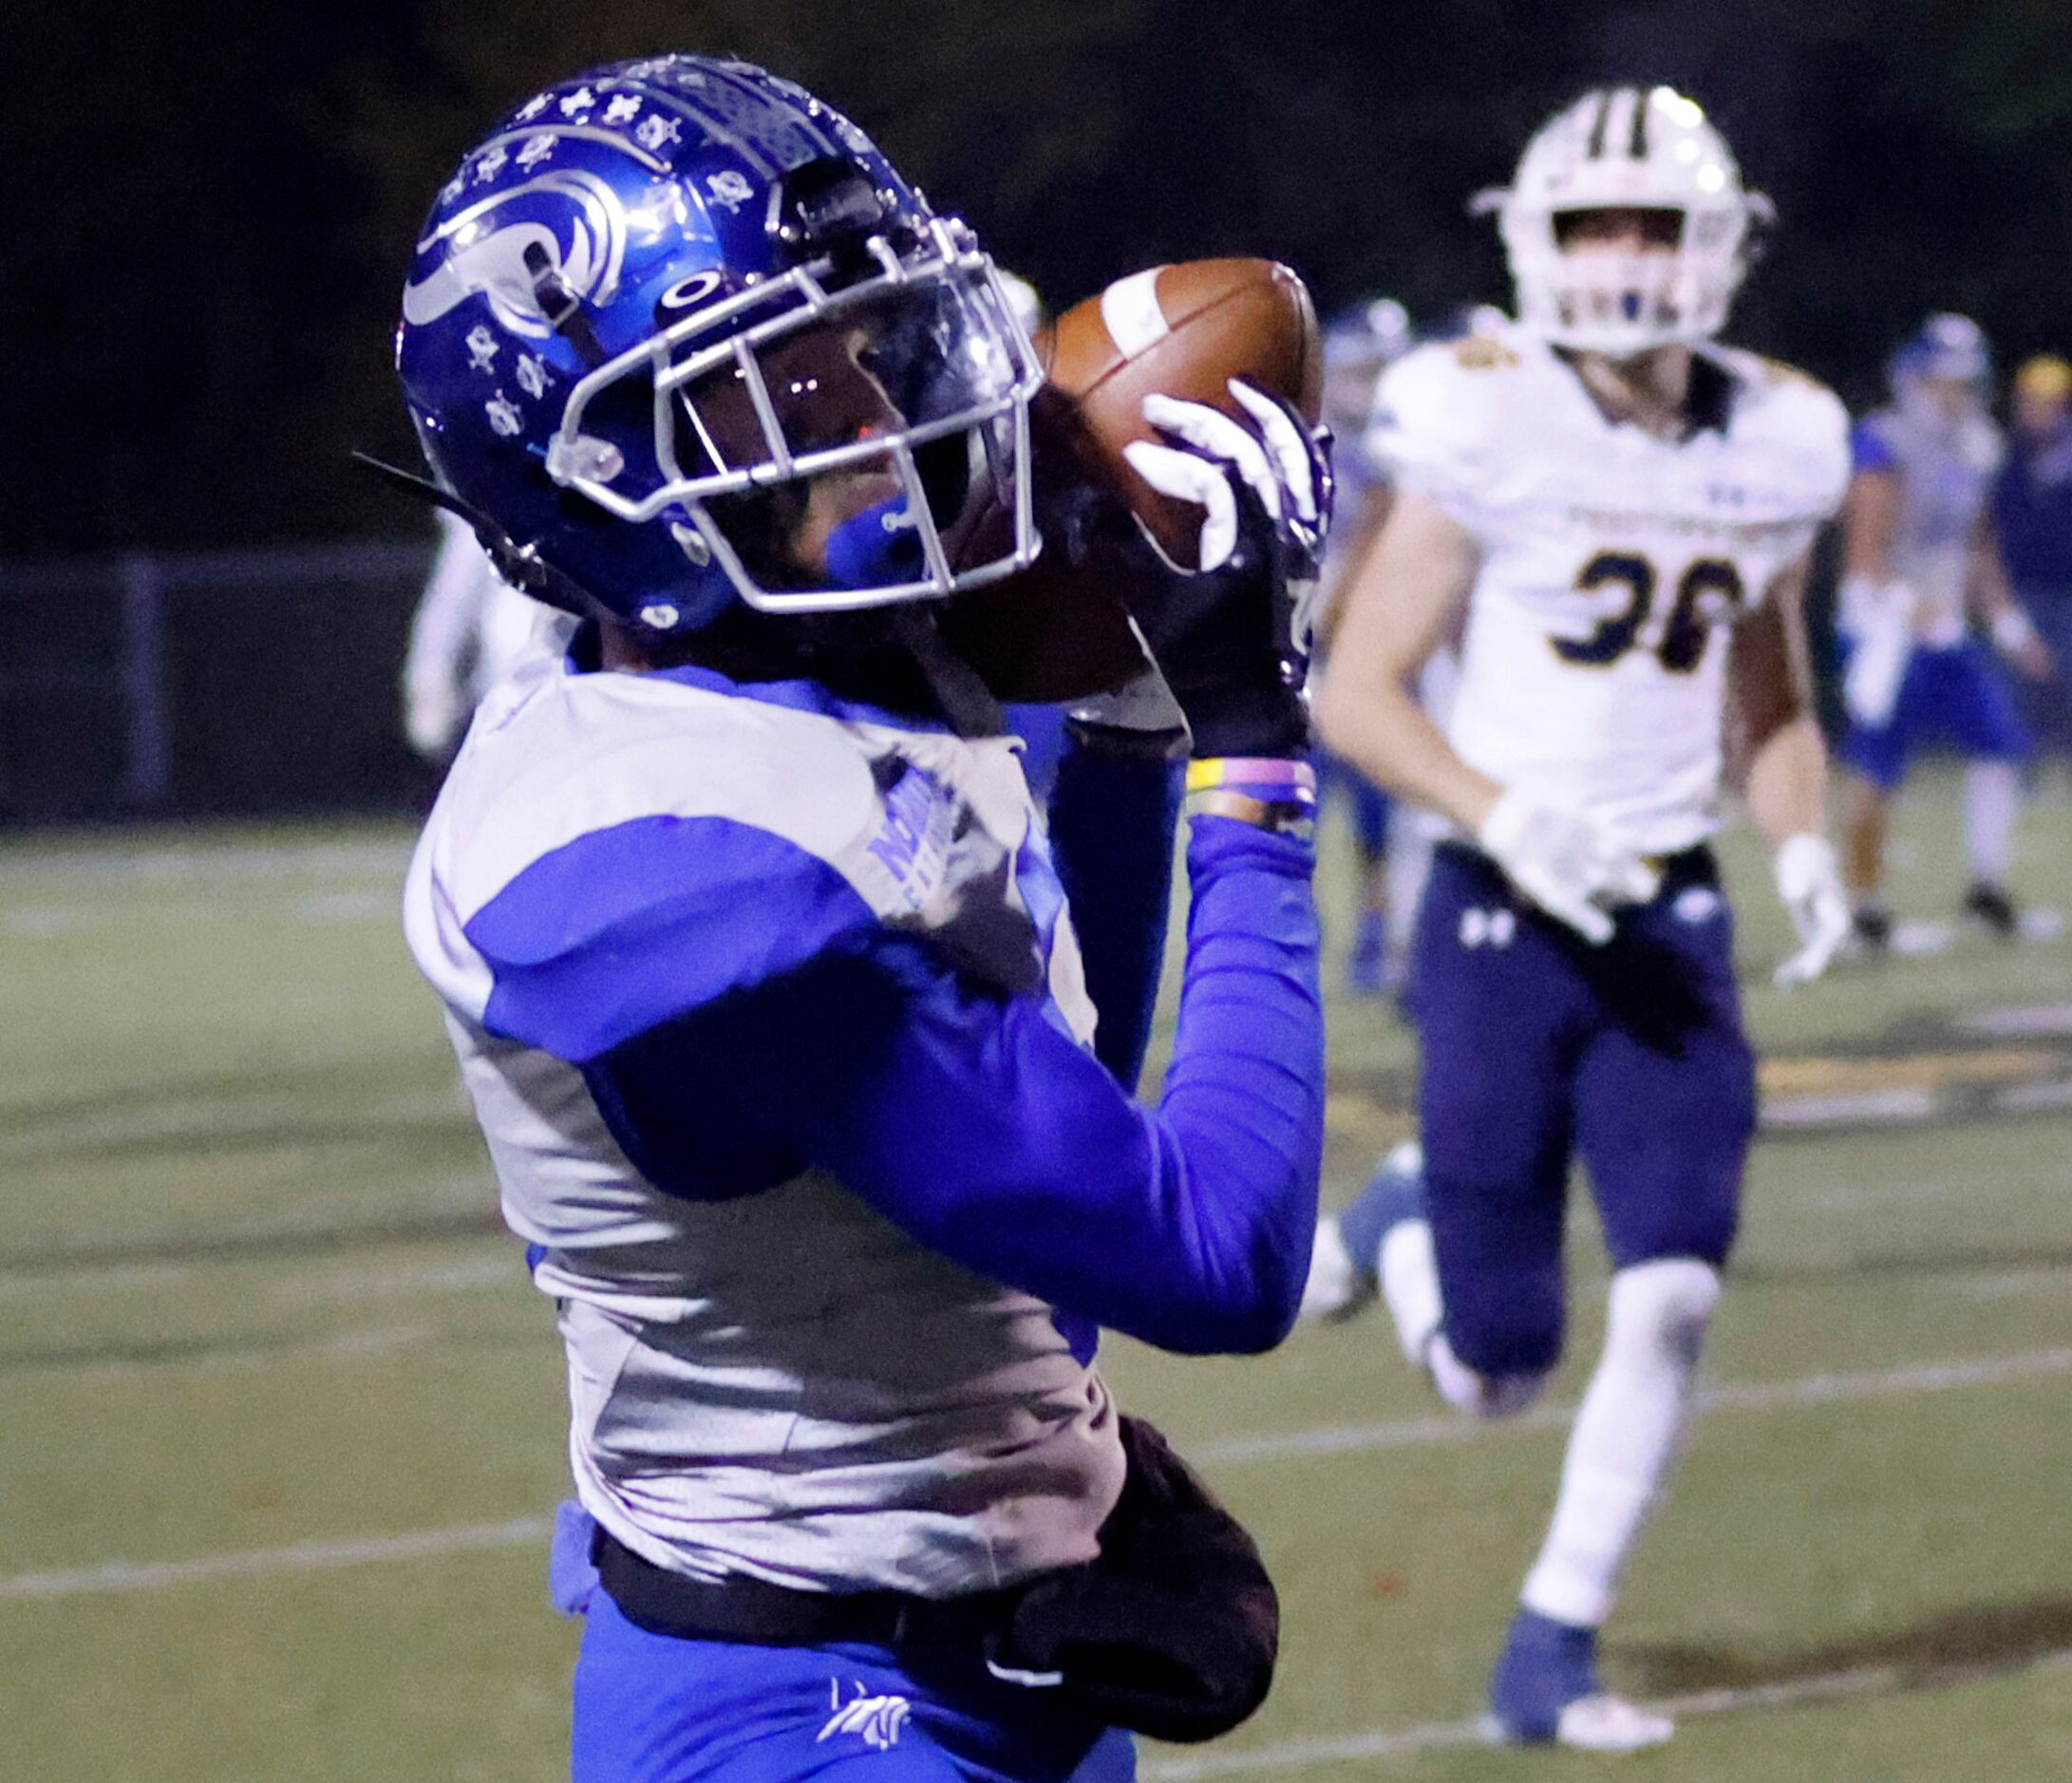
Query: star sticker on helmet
{"points": [[655, 130], [577, 102], [532, 106], [537, 149], [624, 107], [491, 163], [531, 375], [481, 347], [503, 415]]}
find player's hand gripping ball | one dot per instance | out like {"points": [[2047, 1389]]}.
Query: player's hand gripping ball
{"points": [[1185, 332], [1061, 628]]}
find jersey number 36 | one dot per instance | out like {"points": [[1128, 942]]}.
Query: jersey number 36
{"points": [[1706, 592]]}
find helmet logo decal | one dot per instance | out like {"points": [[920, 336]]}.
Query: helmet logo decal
{"points": [[730, 189], [481, 347], [485, 258], [654, 131], [688, 293]]}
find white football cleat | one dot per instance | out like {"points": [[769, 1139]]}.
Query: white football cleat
{"points": [[1608, 1723], [1545, 1691], [1337, 1287], [1599, 1723]]}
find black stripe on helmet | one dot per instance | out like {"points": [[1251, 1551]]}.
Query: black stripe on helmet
{"points": [[1596, 145], [1637, 145]]}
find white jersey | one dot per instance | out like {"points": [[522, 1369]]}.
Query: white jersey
{"points": [[1613, 563]]}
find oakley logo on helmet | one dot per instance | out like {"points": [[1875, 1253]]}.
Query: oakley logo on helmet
{"points": [[688, 293]]}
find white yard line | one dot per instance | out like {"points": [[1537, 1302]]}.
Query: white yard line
{"points": [[1301, 1754], [224, 1117], [1757, 1397], [270, 1351], [160, 864], [127, 1575], [124, 1575], [500, 1264]]}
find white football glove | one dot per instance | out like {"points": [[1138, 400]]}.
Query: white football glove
{"points": [[1282, 467], [1565, 863], [1877, 619], [1809, 879]]}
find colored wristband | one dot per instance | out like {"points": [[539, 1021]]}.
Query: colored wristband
{"points": [[1278, 776], [1268, 792]]}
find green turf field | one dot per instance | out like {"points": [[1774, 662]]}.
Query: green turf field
{"points": [[282, 1421]]}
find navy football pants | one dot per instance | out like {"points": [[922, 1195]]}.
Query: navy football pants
{"points": [[1539, 1048]]}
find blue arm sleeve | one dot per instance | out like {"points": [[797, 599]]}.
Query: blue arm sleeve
{"points": [[1112, 818], [977, 1125]]}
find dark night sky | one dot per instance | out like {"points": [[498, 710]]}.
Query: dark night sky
{"points": [[207, 220]]}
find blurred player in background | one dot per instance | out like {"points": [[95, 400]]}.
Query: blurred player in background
{"points": [[470, 632], [1358, 348], [1624, 510], [2032, 515], [759, 966], [1920, 562]]}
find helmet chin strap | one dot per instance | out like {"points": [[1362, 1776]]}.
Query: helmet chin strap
{"points": [[518, 565], [964, 697]]}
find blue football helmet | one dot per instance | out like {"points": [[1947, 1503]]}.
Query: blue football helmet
{"points": [[684, 334], [1946, 348]]}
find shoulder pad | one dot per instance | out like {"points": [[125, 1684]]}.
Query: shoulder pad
{"points": [[638, 862], [1438, 418], [1797, 423]]}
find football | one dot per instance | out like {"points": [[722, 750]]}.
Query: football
{"points": [[1183, 331], [1057, 631]]}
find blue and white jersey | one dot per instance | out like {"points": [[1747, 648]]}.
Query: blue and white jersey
{"points": [[767, 1374], [1945, 469]]}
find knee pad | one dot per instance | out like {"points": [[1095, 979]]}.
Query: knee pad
{"points": [[1467, 1390], [1665, 1305]]}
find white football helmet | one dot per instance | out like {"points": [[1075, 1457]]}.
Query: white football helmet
{"points": [[1620, 149]]}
